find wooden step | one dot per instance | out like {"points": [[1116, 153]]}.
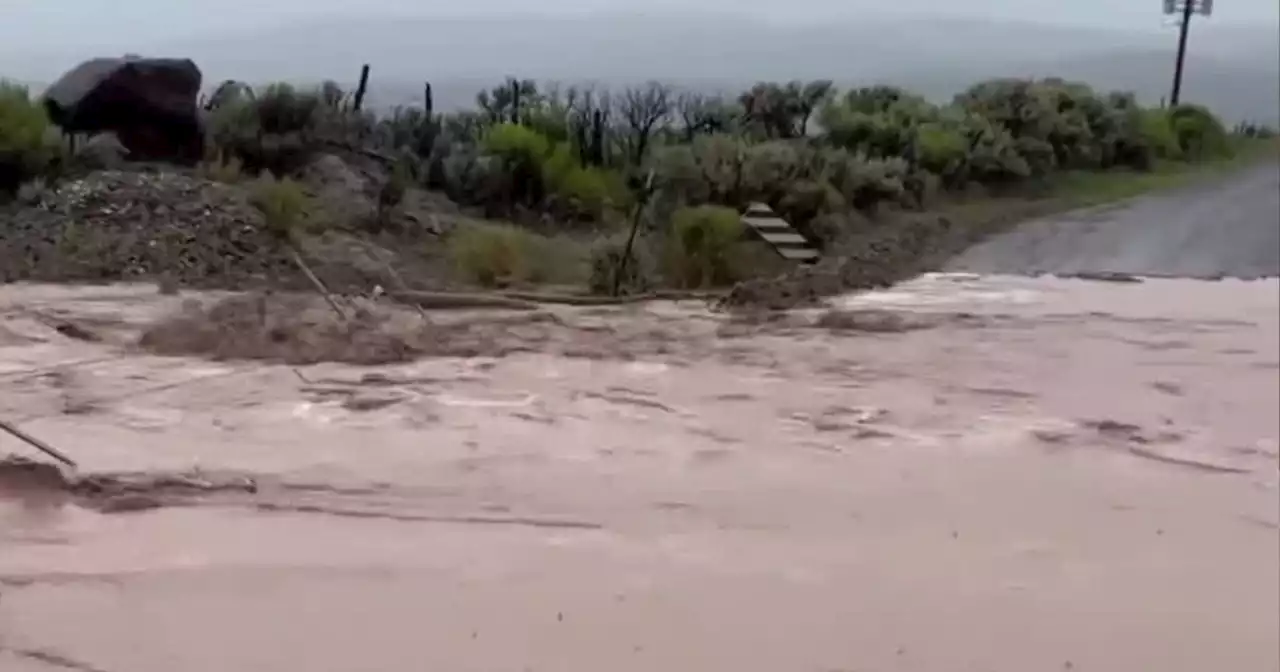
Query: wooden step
{"points": [[806, 254], [779, 234], [784, 238]]}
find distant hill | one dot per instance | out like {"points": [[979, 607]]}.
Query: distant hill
{"points": [[1235, 70]]}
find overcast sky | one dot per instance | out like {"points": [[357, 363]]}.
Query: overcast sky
{"points": [[37, 23]]}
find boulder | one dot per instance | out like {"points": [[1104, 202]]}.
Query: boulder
{"points": [[150, 104]]}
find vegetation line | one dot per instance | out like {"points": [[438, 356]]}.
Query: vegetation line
{"points": [[534, 186]]}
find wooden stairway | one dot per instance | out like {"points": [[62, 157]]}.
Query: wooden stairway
{"points": [[786, 241]]}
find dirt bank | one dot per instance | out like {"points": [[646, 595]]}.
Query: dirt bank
{"points": [[1001, 474]]}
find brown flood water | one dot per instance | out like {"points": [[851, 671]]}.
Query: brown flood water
{"points": [[1051, 475]]}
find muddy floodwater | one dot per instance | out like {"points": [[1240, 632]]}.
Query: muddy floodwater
{"points": [[958, 474]]}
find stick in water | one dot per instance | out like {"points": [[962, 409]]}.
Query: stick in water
{"points": [[38, 444], [324, 291]]}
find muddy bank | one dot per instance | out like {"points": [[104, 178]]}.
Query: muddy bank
{"points": [[303, 329]]}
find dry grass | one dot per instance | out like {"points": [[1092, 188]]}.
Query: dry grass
{"points": [[505, 255]]}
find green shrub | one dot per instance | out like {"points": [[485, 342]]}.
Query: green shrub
{"points": [[557, 166], [865, 127], [24, 151], [711, 169], [232, 121], [516, 143], [1049, 120], [1154, 135], [466, 176], [701, 246], [499, 255], [770, 168], [941, 150], [882, 98], [581, 192], [866, 182], [408, 128], [282, 109], [1200, 134], [272, 131], [589, 193], [520, 152], [283, 204], [805, 200], [993, 156]]}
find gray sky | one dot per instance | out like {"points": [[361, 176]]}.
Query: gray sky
{"points": [[28, 23]]}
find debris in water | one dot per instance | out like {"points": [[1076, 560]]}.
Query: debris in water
{"points": [[37, 444]]}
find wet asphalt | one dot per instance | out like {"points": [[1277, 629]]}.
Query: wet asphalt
{"points": [[1227, 227]]}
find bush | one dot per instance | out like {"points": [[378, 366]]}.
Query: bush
{"points": [[882, 98], [866, 182], [283, 204], [520, 152], [282, 109], [942, 150], [393, 190], [826, 230], [770, 169], [273, 131], [710, 170], [469, 177], [806, 200], [24, 126], [1148, 137], [1044, 118], [517, 144], [883, 133], [500, 255], [581, 193], [606, 265], [587, 193], [1199, 133], [408, 128], [993, 156], [702, 245]]}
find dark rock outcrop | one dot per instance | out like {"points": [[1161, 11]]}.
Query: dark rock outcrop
{"points": [[150, 104]]}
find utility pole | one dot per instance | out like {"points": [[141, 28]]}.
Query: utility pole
{"points": [[1188, 9]]}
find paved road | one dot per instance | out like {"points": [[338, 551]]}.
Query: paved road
{"points": [[1229, 228]]}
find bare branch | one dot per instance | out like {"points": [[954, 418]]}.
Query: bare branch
{"points": [[642, 109]]}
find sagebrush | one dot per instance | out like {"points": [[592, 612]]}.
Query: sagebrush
{"points": [[572, 160]]}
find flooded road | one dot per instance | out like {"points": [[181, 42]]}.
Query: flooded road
{"points": [[961, 473]]}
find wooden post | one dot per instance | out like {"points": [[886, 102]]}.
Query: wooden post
{"points": [[361, 88], [1188, 10], [641, 202], [515, 101]]}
